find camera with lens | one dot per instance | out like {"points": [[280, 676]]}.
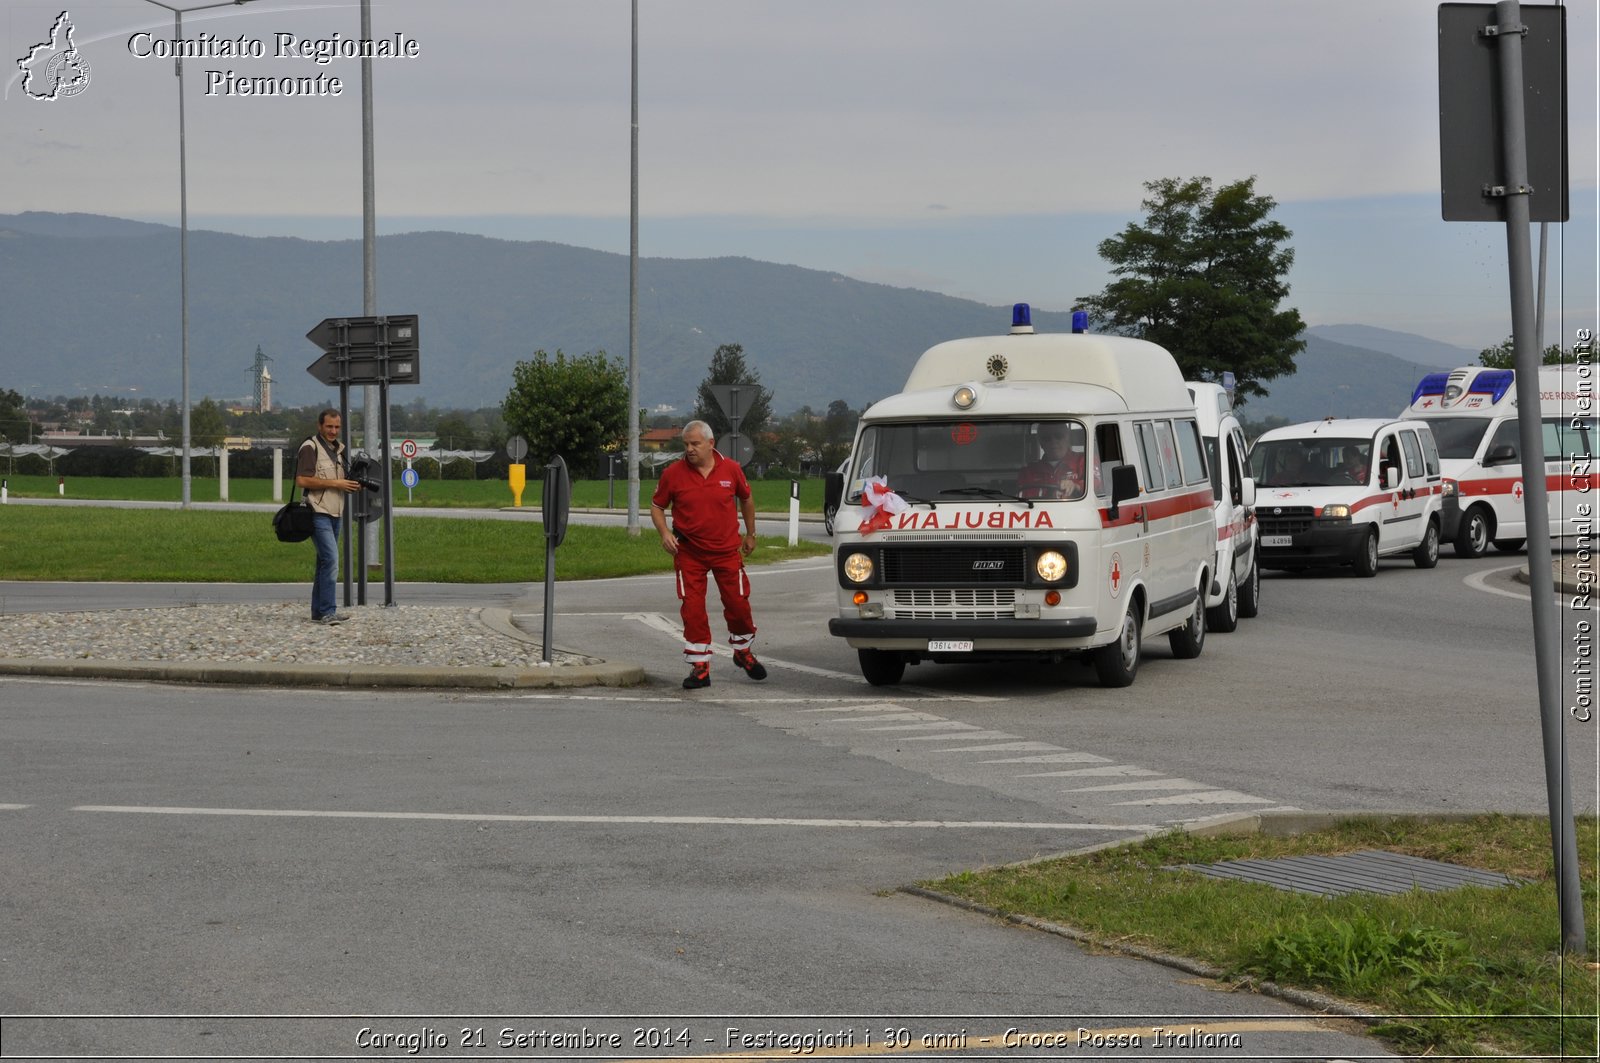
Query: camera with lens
{"points": [[363, 470]]}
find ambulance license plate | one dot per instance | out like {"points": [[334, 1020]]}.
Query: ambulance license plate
{"points": [[956, 646], [1277, 540]]}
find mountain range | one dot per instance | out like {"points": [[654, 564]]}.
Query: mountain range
{"points": [[90, 305]]}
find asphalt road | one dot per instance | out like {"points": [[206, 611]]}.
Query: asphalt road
{"points": [[703, 859]]}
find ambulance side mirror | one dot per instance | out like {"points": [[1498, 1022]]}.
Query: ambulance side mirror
{"points": [[1124, 485], [1247, 492], [1504, 454], [832, 494], [1391, 477]]}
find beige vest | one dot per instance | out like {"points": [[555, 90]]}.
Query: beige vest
{"points": [[325, 500]]}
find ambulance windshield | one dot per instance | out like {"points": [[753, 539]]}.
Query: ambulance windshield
{"points": [[1458, 437], [956, 461], [1318, 462]]}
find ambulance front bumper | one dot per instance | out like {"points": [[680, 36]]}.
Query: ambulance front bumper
{"points": [[1020, 631], [1335, 544]]}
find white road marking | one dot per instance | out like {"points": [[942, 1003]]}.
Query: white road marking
{"points": [[967, 736], [675, 821], [1108, 769], [1478, 582], [13, 808], [942, 725], [1209, 797], [1054, 758], [1146, 784]]}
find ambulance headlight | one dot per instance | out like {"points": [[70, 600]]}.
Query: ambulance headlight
{"points": [[858, 568], [1051, 566], [1337, 511], [964, 397]]}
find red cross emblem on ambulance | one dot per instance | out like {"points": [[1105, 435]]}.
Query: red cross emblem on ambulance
{"points": [[1516, 490], [1116, 574]]}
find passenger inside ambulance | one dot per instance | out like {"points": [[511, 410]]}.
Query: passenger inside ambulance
{"points": [[1058, 472], [1353, 464]]}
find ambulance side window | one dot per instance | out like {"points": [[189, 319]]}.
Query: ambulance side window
{"points": [[1235, 469], [1169, 454], [1413, 453], [1389, 451], [1150, 453], [1194, 462], [1430, 454], [1565, 439], [1506, 435], [1107, 452]]}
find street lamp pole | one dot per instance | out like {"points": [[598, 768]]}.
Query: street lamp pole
{"points": [[183, 221]]}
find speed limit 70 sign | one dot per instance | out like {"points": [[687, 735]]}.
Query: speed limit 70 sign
{"points": [[408, 449]]}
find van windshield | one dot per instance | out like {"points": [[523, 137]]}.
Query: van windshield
{"points": [[1458, 437], [954, 461], [1319, 462]]}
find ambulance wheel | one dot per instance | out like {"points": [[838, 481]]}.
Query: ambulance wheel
{"points": [[1472, 538], [1366, 564], [1509, 546], [1224, 616], [1426, 555], [1188, 640], [1250, 593], [1117, 663], [882, 668]]}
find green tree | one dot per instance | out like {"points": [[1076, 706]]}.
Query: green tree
{"points": [[1504, 356], [1203, 276], [455, 432], [728, 367], [208, 427], [14, 425], [575, 407]]}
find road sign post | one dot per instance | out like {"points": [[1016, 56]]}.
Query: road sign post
{"points": [[1494, 132], [379, 350]]}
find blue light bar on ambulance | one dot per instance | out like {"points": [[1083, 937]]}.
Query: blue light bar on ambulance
{"points": [[1432, 384], [1021, 319], [1080, 321], [1494, 383]]}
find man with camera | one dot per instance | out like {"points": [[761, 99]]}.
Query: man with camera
{"points": [[320, 472]]}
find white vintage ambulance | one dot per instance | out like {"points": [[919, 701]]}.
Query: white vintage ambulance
{"points": [[1473, 414], [1033, 496], [1236, 583]]}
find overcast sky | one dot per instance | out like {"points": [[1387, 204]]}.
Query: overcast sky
{"points": [[980, 148]]}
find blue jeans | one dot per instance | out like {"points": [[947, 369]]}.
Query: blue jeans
{"points": [[324, 584]]}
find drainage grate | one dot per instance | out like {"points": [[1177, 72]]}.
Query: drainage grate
{"points": [[1372, 871]]}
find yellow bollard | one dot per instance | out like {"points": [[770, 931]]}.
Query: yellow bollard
{"points": [[519, 480]]}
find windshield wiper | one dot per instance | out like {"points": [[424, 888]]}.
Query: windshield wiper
{"points": [[986, 492]]}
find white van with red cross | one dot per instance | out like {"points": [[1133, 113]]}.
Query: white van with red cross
{"points": [[1026, 496], [1473, 414], [1347, 492], [1236, 586]]}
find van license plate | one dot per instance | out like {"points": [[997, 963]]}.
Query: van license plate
{"points": [[1277, 540], [963, 646]]}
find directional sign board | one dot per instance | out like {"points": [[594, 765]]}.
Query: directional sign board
{"points": [[735, 400], [367, 350]]}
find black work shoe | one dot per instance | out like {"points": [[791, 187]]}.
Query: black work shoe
{"points": [[752, 667], [699, 676]]}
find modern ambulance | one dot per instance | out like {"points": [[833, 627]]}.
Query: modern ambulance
{"points": [[1347, 492], [1236, 571], [964, 538], [1473, 414]]}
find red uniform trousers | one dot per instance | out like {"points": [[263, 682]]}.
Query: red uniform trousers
{"points": [[733, 585]]}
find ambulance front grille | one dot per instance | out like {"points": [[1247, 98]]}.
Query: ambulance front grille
{"points": [[1283, 520], [978, 603], [976, 563]]}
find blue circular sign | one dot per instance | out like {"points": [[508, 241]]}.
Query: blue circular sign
{"points": [[409, 478]]}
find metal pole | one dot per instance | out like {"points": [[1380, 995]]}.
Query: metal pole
{"points": [[1544, 261], [183, 252], [370, 415], [1535, 498], [633, 296], [387, 492], [344, 430]]}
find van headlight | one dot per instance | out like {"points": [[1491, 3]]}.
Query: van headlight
{"points": [[1051, 566], [858, 568], [1337, 511]]}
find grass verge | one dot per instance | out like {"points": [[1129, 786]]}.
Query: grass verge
{"points": [[772, 496], [136, 545], [1470, 971]]}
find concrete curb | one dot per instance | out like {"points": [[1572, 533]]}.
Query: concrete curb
{"points": [[601, 674], [1242, 824], [1569, 577]]}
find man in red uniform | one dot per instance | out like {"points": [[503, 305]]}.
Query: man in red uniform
{"points": [[701, 491], [1059, 471]]}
